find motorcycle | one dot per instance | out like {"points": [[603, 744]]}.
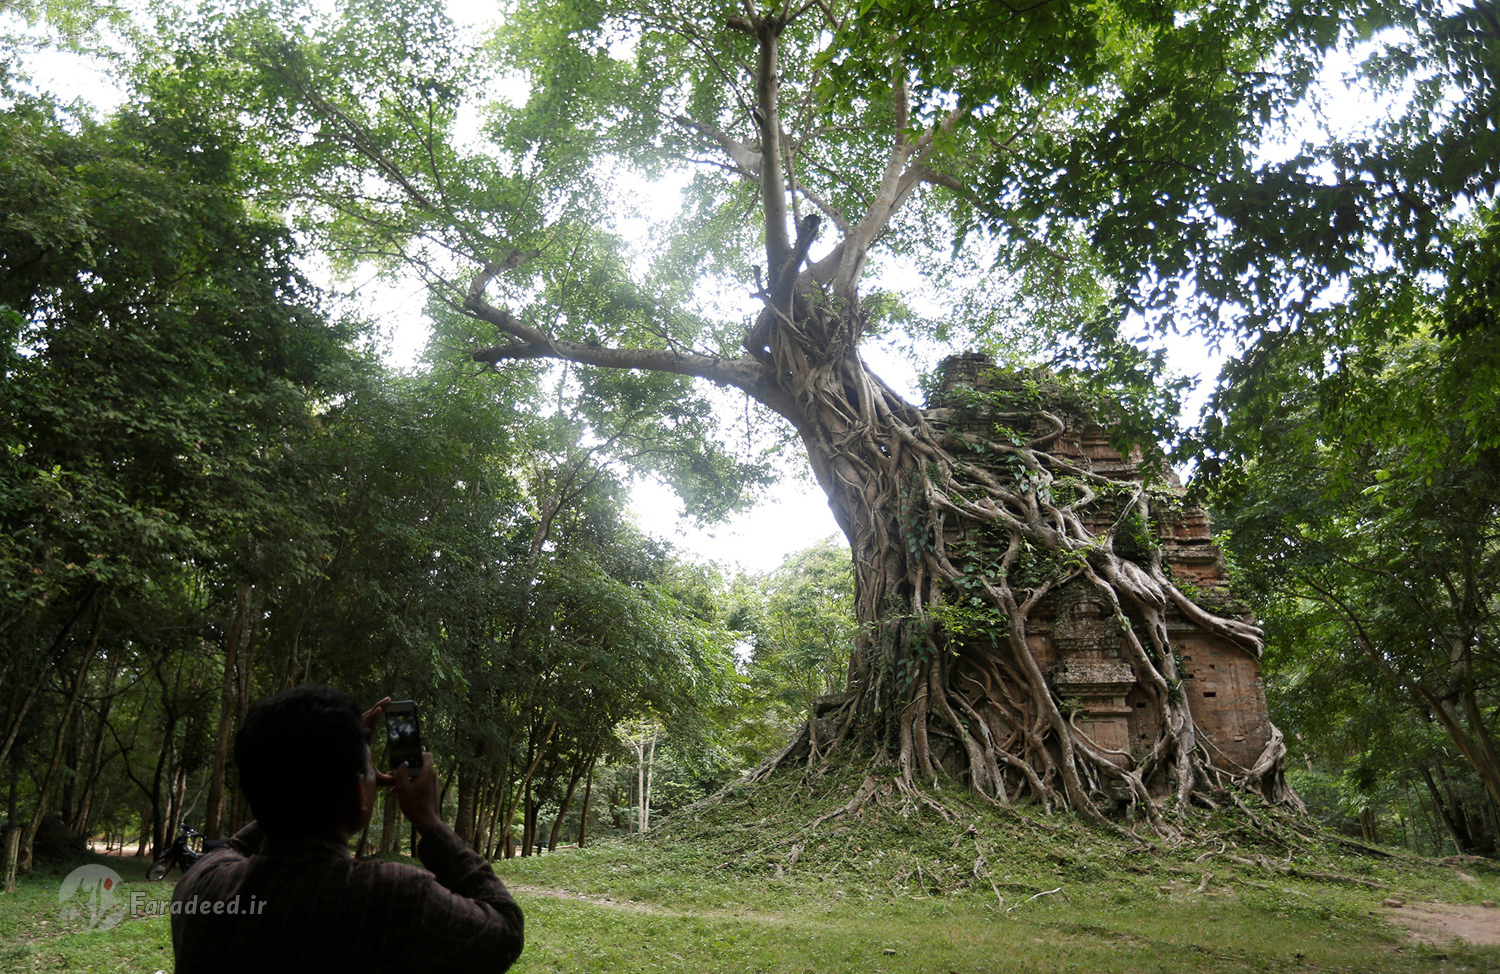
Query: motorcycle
{"points": [[181, 853]]}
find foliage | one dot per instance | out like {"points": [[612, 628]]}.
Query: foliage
{"points": [[801, 620], [206, 485], [1368, 536], [1107, 155], [811, 116]]}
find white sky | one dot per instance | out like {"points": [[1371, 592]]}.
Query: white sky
{"points": [[794, 513]]}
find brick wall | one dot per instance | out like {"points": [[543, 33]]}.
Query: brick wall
{"points": [[1071, 632]]}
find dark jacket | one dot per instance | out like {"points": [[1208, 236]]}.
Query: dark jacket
{"points": [[279, 905]]}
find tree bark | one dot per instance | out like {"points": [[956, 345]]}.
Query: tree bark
{"points": [[44, 794], [588, 793], [463, 818], [1447, 814], [97, 760], [650, 774], [59, 645], [228, 705], [562, 809]]}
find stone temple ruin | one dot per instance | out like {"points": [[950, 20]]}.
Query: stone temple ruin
{"points": [[1072, 633]]}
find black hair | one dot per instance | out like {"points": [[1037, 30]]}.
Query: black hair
{"points": [[296, 753]]}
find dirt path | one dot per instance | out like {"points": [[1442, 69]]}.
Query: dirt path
{"points": [[1441, 923], [632, 906], [604, 901]]}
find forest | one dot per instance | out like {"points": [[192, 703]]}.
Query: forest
{"points": [[653, 239]]}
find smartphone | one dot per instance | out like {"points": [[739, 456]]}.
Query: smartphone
{"points": [[403, 735]]}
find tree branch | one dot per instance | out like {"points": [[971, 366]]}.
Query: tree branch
{"points": [[746, 157], [744, 373], [768, 118]]}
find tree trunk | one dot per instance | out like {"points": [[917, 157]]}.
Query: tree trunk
{"points": [[528, 821], [650, 773], [493, 837], [958, 539], [228, 704], [640, 786], [588, 793], [44, 793], [159, 837], [464, 817], [80, 823], [72, 792], [389, 837], [562, 808], [12, 855], [1456, 831], [523, 788]]}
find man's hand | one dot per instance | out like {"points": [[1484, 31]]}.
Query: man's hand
{"points": [[418, 794], [372, 716], [371, 720]]}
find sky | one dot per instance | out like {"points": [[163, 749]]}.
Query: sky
{"points": [[793, 514]]}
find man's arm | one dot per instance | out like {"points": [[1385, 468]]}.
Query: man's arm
{"points": [[472, 922]]}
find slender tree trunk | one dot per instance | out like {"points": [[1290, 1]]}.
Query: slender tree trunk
{"points": [[44, 794], [388, 825], [228, 704], [159, 837], [640, 786], [97, 760], [650, 773], [54, 655], [508, 813], [179, 798], [72, 792], [528, 821], [464, 816], [12, 855], [1455, 831], [588, 792], [495, 839], [562, 809], [11, 833]]}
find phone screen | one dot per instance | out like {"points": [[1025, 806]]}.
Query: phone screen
{"points": [[403, 735]]}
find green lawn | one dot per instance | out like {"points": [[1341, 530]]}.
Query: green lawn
{"points": [[895, 889]]}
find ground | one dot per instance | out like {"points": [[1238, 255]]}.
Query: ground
{"points": [[1443, 923], [746, 886]]}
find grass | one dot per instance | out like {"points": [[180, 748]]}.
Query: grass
{"points": [[746, 887], [33, 937]]}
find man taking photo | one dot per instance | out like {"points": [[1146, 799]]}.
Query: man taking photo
{"points": [[284, 895]]}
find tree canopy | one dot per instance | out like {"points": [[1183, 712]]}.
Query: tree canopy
{"points": [[625, 209]]}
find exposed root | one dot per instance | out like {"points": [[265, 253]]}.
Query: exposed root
{"points": [[960, 538], [864, 794]]}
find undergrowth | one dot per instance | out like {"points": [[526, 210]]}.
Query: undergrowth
{"points": [[772, 879], [1252, 889], [898, 845]]}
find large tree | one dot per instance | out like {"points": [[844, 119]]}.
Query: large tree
{"points": [[1059, 139]]}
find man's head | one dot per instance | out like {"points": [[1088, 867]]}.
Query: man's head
{"points": [[304, 761]]}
